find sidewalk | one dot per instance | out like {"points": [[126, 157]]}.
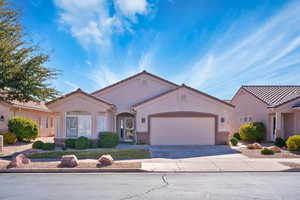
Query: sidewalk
{"points": [[217, 165]]}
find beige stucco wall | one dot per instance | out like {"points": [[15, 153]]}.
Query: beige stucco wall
{"points": [[183, 99], [4, 110], [133, 91], [246, 105], [80, 102], [36, 116]]}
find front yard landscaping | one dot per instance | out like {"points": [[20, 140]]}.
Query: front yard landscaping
{"points": [[256, 153], [117, 154]]}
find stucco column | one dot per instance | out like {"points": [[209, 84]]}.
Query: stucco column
{"points": [[94, 124], [278, 124], [1, 143]]}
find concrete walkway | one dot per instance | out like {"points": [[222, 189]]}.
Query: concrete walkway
{"points": [[217, 164]]}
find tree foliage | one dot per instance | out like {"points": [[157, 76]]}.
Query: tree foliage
{"points": [[22, 74]]}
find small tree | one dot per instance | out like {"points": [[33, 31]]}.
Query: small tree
{"points": [[22, 74], [25, 129]]}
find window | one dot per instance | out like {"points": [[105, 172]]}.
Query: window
{"points": [[78, 123], [100, 123], [143, 120]]}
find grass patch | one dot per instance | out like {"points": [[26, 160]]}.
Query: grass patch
{"points": [[95, 154]]}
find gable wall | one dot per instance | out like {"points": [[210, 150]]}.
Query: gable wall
{"points": [[133, 91], [246, 105], [192, 102]]}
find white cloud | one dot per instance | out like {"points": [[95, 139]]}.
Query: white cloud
{"points": [[91, 22], [132, 7], [249, 54]]}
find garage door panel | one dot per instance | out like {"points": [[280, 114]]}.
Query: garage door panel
{"points": [[182, 131]]}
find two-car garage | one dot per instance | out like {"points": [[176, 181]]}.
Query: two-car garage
{"points": [[182, 129]]}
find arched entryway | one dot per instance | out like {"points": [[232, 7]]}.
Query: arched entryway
{"points": [[126, 127]]}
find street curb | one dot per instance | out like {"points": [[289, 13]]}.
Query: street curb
{"points": [[69, 170]]}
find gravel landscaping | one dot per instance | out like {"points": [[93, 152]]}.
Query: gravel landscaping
{"points": [[256, 153]]}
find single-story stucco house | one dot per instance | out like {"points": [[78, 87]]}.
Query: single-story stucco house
{"points": [[147, 109], [36, 111], [278, 107]]}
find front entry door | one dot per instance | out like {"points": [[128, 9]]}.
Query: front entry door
{"points": [[273, 134], [126, 129]]}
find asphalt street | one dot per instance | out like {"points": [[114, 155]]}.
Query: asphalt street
{"points": [[278, 185]]}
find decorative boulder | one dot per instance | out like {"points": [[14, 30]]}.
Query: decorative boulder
{"points": [[254, 146], [106, 160], [19, 161], [275, 149], [250, 146], [69, 161], [257, 146]]}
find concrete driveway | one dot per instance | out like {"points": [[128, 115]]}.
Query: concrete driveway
{"points": [[180, 152]]}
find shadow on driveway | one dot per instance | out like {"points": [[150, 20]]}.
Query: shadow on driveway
{"points": [[176, 152]]}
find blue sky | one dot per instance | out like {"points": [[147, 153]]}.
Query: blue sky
{"points": [[212, 45]]}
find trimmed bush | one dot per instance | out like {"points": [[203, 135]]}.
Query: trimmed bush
{"points": [[108, 139], [9, 138], [82, 143], [293, 143], [70, 143], [279, 142], [48, 146], [234, 141], [266, 151], [253, 132], [38, 145], [93, 145], [25, 129], [237, 136]]}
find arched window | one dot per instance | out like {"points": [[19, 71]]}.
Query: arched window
{"points": [[78, 123]]}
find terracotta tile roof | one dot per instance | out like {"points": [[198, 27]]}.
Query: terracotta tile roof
{"points": [[274, 96], [39, 106], [81, 92]]}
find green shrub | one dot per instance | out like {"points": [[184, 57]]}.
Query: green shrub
{"points": [[70, 143], [93, 145], [253, 132], [234, 141], [108, 139], [293, 143], [279, 142], [48, 146], [82, 143], [237, 136], [38, 145], [266, 151], [9, 138], [25, 129]]}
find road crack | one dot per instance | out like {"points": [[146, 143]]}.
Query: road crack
{"points": [[165, 183]]}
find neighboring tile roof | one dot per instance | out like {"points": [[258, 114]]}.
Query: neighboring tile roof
{"points": [[81, 92], [274, 96]]}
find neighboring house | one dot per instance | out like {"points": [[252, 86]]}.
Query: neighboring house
{"points": [[37, 112], [146, 108], [276, 106]]}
